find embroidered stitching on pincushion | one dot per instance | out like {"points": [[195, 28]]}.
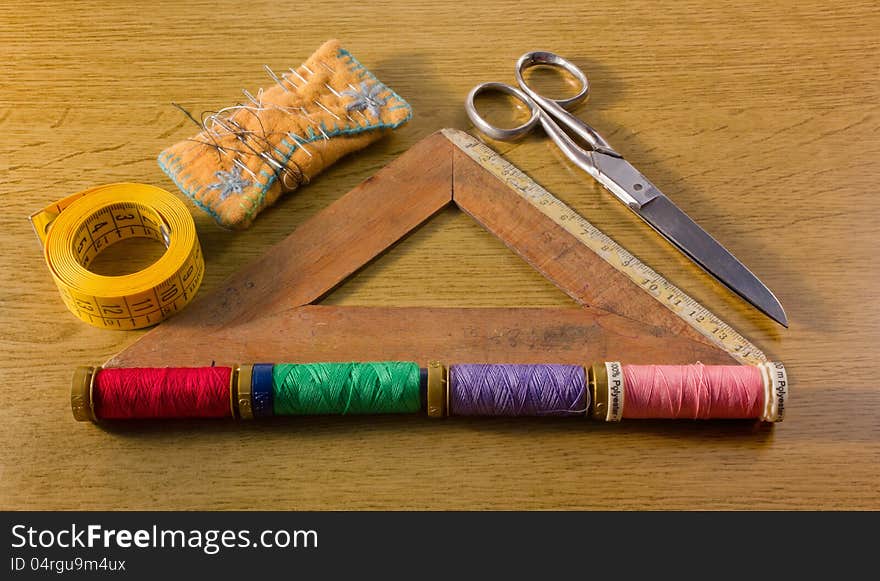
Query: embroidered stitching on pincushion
{"points": [[229, 182]]}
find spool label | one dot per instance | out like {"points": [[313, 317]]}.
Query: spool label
{"points": [[779, 389], [616, 391]]}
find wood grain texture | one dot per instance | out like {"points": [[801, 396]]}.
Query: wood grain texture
{"points": [[331, 333], [759, 119]]}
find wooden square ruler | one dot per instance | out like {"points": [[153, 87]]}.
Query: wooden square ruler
{"points": [[266, 312]]}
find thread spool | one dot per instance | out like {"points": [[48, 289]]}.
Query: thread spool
{"points": [[517, 390], [152, 393], [346, 388], [688, 391], [608, 392]]}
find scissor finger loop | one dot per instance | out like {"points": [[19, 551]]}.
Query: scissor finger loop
{"points": [[501, 133], [543, 58]]}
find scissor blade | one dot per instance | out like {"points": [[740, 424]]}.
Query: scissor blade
{"points": [[678, 228]]}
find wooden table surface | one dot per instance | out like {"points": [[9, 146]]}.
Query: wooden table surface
{"points": [[759, 118]]}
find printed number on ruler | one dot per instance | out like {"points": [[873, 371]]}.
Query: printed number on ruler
{"points": [[673, 298]]}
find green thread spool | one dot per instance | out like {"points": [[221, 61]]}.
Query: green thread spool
{"points": [[346, 388]]}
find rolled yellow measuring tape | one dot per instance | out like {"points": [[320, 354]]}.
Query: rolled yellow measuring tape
{"points": [[75, 230]]}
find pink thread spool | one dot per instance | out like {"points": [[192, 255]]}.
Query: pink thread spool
{"points": [[688, 391]]}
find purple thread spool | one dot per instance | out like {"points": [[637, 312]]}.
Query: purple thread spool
{"points": [[517, 390]]}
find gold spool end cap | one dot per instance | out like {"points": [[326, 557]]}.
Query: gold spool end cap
{"points": [[243, 392], [81, 394], [436, 390], [598, 385]]}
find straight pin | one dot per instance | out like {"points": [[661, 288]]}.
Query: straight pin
{"points": [[239, 164], [217, 122], [284, 77], [299, 142], [319, 104], [252, 99], [275, 78], [298, 76], [271, 160]]}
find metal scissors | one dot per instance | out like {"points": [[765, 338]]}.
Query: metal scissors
{"points": [[620, 178]]}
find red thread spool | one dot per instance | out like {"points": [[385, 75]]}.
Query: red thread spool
{"points": [[149, 393]]}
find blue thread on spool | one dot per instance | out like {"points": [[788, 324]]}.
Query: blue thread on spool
{"points": [[262, 390]]}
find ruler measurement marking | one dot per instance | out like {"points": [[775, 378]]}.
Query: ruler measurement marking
{"points": [[666, 293], [113, 216], [182, 285], [140, 216]]}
